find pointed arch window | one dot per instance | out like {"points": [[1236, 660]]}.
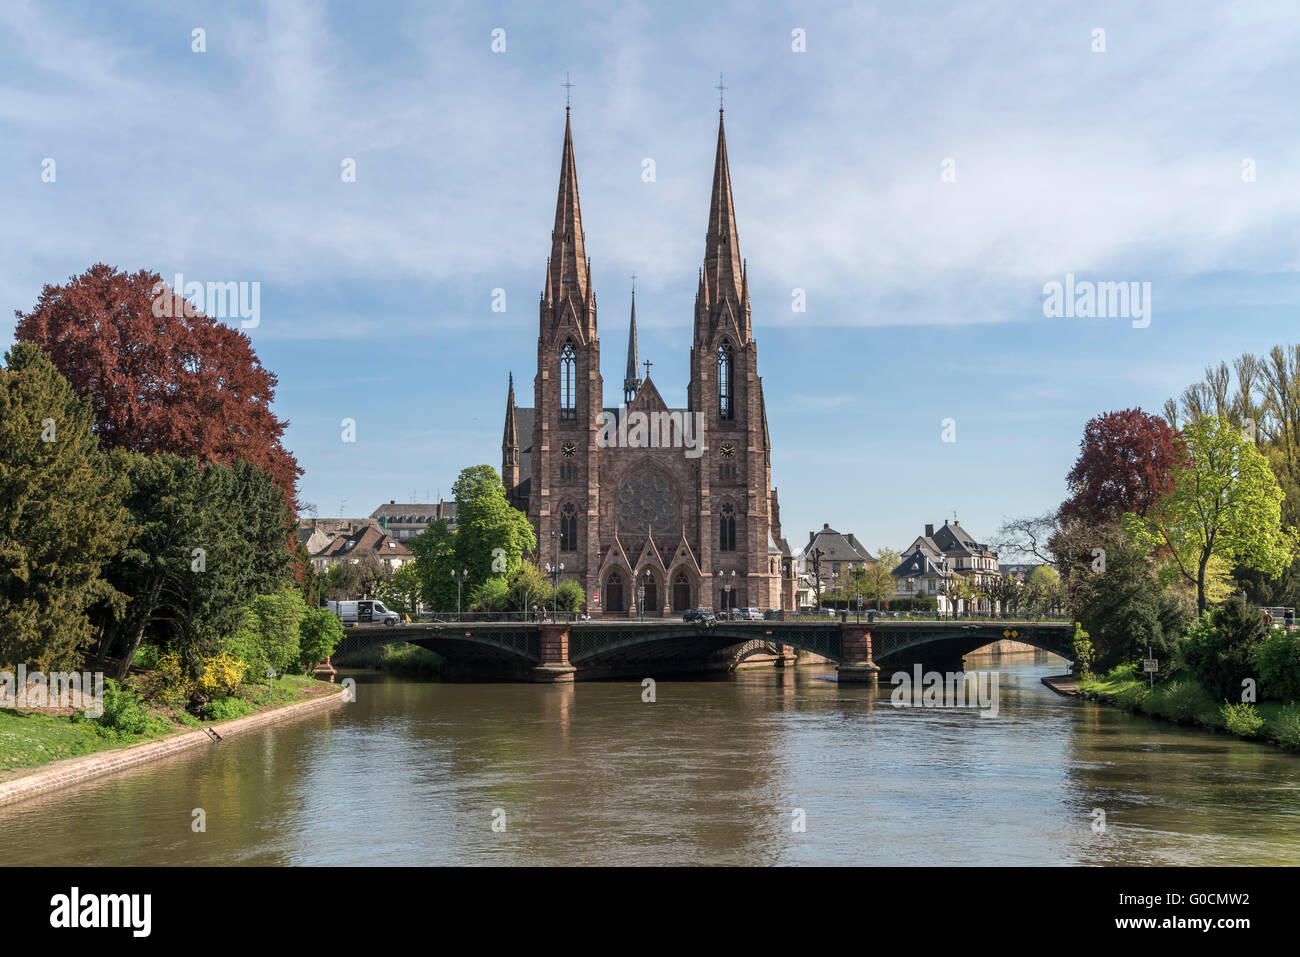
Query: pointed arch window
{"points": [[726, 404], [727, 529], [568, 528], [568, 382]]}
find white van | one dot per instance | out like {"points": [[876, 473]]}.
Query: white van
{"points": [[363, 612]]}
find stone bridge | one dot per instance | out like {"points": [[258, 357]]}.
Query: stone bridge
{"points": [[562, 651]]}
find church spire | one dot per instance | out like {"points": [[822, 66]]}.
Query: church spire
{"points": [[631, 383], [567, 273], [722, 268], [510, 440]]}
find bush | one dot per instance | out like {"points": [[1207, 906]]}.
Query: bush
{"points": [[318, 636], [1128, 671], [1220, 645], [1133, 696], [1243, 719], [125, 714], [146, 656], [222, 673], [1286, 728], [1180, 700], [569, 596], [224, 708], [170, 683], [1277, 660]]}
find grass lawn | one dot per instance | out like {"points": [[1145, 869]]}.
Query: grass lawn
{"points": [[29, 739], [1181, 699]]}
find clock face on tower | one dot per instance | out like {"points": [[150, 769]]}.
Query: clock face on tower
{"points": [[569, 450], [728, 450]]}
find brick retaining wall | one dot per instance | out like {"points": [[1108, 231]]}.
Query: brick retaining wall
{"points": [[76, 770]]}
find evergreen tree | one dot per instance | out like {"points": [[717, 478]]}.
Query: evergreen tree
{"points": [[60, 519]]}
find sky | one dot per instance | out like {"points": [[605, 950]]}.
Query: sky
{"points": [[920, 171]]}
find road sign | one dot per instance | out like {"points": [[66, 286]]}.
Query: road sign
{"points": [[1150, 664]]}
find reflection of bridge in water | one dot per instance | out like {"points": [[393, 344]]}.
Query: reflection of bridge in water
{"points": [[562, 651]]}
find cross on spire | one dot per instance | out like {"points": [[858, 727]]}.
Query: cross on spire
{"points": [[634, 284], [721, 90], [568, 87], [647, 365]]}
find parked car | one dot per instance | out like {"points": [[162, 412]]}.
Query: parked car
{"points": [[698, 614], [750, 614], [772, 614]]}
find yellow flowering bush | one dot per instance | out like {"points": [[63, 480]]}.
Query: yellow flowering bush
{"points": [[224, 672]]}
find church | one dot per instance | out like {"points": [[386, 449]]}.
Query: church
{"points": [[652, 509]]}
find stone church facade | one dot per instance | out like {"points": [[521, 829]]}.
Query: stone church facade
{"points": [[676, 501]]}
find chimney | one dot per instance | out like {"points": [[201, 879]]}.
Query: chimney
{"points": [[825, 527], [945, 522], [955, 522], [812, 537], [392, 501], [929, 531]]}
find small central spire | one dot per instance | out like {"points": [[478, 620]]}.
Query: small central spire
{"points": [[631, 383]]}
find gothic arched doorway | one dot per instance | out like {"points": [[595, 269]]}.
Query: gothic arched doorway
{"points": [[681, 592], [614, 600]]}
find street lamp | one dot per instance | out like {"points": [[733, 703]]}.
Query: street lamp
{"points": [[554, 572], [640, 597], [727, 585], [459, 579]]}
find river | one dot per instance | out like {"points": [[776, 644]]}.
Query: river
{"points": [[713, 771]]}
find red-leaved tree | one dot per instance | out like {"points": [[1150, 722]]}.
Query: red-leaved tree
{"points": [[161, 376], [1127, 462]]}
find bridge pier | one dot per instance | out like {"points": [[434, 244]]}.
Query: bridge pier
{"points": [[855, 655], [553, 648]]}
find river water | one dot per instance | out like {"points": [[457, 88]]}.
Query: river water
{"points": [[717, 771]]}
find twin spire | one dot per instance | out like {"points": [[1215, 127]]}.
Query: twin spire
{"points": [[723, 283], [568, 273]]}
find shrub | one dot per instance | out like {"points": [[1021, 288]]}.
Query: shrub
{"points": [[1180, 700], [146, 656], [224, 708], [125, 714], [569, 596], [222, 673], [1129, 671], [1286, 727], [1243, 719], [318, 636], [170, 683], [1220, 645], [1133, 696], [1277, 660]]}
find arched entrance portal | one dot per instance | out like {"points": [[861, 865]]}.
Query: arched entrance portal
{"points": [[681, 592], [614, 600]]}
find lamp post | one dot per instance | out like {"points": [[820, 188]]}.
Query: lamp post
{"points": [[640, 597], [460, 579], [727, 585], [554, 572]]}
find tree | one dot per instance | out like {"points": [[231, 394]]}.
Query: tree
{"points": [[1028, 536], [61, 519], [1125, 609], [529, 588], [1220, 647], [204, 541], [318, 635], [1127, 462], [1225, 503], [400, 591], [815, 559], [160, 376], [878, 580], [570, 597], [272, 631], [490, 540]]}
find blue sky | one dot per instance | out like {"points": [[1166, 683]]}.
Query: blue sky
{"points": [[924, 297]]}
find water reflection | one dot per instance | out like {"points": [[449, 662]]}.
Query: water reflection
{"points": [[713, 771]]}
